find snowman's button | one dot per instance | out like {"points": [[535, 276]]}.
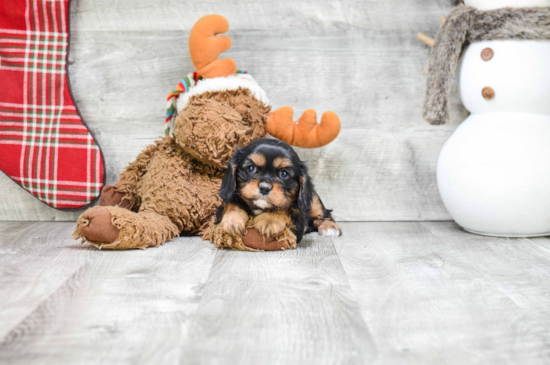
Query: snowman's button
{"points": [[487, 54], [488, 93]]}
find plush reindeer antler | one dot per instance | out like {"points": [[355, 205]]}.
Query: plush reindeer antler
{"points": [[305, 132], [205, 47]]}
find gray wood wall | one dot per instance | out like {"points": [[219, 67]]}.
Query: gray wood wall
{"points": [[360, 59]]}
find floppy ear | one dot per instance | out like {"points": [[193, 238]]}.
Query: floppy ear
{"points": [[229, 182], [305, 196]]}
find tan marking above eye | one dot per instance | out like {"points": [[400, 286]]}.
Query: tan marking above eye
{"points": [[258, 159], [281, 162]]}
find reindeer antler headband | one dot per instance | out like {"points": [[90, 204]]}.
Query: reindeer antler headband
{"points": [[205, 46], [467, 24]]}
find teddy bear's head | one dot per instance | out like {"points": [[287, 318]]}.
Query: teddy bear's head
{"points": [[222, 108], [219, 114]]}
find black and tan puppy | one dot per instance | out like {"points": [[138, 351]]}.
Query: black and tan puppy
{"points": [[267, 180]]}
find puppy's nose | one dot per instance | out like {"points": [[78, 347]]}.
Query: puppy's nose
{"points": [[265, 188]]}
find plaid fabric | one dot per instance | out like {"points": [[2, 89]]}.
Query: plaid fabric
{"points": [[184, 86], [44, 145]]}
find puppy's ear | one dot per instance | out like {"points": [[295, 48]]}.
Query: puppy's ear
{"points": [[305, 196], [229, 182]]}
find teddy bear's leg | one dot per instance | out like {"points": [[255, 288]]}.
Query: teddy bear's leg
{"points": [[113, 227]]}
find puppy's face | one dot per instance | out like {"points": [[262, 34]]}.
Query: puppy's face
{"points": [[267, 175], [268, 179]]}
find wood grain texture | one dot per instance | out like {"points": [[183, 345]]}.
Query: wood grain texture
{"points": [[253, 14], [34, 263], [63, 302], [279, 307], [360, 59], [383, 293], [434, 294]]}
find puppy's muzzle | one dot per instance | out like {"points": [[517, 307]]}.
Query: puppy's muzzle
{"points": [[265, 188]]}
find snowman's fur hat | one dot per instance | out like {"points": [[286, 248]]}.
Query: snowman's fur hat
{"points": [[465, 25]]}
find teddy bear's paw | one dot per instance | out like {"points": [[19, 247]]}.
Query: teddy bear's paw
{"points": [[329, 228], [255, 240], [271, 223], [96, 225]]}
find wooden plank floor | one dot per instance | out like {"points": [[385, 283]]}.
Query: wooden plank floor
{"points": [[384, 293]]}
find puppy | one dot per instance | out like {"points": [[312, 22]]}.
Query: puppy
{"points": [[267, 180]]}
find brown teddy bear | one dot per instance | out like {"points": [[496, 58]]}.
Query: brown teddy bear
{"points": [[172, 186]]}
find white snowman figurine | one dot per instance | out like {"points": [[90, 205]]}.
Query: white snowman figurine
{"points": [[494, 171]]}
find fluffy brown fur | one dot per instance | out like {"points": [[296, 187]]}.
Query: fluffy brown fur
{"points": [[226, 119], [136, 230], [467, 25], [173, 185]]}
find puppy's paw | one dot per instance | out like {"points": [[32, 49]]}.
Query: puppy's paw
{"points": [[271, 223], [234, 222], [232, 227], [329, 228]]}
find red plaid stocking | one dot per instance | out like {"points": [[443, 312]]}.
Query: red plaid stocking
{"points": [[44, 145]]}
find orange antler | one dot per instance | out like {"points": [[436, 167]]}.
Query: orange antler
{"points": [[305, 132], [205, 47]]}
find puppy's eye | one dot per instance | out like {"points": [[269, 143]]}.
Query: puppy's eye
{"points": [[251, 169], [283, 174]]}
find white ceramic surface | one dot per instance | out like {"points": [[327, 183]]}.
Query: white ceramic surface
{"points": [[494, 174], [496, 4]]}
